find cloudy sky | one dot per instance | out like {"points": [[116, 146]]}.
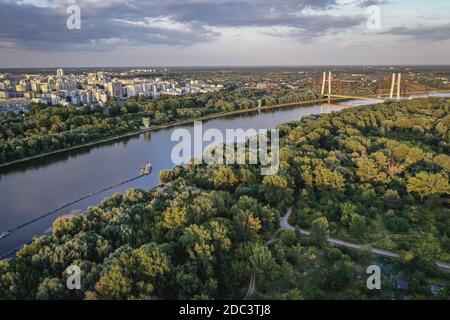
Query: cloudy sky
{"points": [[34, 33]]}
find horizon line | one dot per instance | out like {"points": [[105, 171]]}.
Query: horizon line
{"points": [[230, 66]]}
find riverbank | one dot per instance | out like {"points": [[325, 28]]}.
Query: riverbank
{"points": [[72, 175], [165, 126], [49, 231], [30, 189], [410, 93], [189, 121]]}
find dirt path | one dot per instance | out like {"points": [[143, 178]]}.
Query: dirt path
{"points": [[284, 225]]}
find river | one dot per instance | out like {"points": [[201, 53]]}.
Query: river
{"points": [[31, 189]]}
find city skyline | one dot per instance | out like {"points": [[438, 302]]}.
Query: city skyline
{"points": [[226, 33]]}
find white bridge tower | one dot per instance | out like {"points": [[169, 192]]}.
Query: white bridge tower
{"points": [[399, 78], [324, 81]]}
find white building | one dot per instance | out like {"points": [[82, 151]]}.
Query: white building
{"points": [[60, 73]]}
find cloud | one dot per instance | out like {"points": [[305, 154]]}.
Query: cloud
{"points": [[368, 3], [425, 33], [309, 27], [106, 24], [41, 24]]}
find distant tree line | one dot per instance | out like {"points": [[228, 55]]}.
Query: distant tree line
{"points": [[44, 129]]}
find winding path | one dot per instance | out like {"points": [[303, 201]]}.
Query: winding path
{"points": [[284, 225]]}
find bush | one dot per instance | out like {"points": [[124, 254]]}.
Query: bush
{"points": [[397, 224]]}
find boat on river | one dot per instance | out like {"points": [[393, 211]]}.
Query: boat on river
{"points": [[5, 234], [146, 170]]}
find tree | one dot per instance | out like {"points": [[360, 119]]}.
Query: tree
{"points": [[186, 282], [294, 294], [224, 177], [198, 242], [246, 176], [165, 176], [174, 218], [203, 208], [134, 196], [114, 285], [426, 184], [133, 273], [443, 161], [391, 199], [368, 171], [276, 190], [152, 262], [426, 252], [348, 210], [338, 276], [219, 235], [325, 178], [51, 288], [262, 262], [397, 224], [248, 226], [358, 226], [8, 285], [320, 231]]}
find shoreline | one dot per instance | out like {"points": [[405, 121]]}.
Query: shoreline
{"points": [[190, 121], [162, 126], [154, 128]]}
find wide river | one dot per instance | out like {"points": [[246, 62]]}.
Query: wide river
{"points": [[33, 188]]}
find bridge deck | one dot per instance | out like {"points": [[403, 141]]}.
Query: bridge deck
{"points": [[353, 97]]}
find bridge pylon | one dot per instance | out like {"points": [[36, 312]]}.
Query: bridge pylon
{"points": [[399, 79], [329, 84], [324, 81]]}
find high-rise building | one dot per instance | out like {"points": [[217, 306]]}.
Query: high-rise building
{"points": [[162, 87], [90, 99], [101, 75], [44, 87], [21, 87], [131, 91], [115, 89], [60, 73]]}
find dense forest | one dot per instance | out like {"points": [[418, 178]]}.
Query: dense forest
{"points": [[375, 175], [44, 129]]}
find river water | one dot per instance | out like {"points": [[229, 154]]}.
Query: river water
{"points": [[33, 188]]}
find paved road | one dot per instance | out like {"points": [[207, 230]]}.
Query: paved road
{"points": [[284, 225], [251, 287]]}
